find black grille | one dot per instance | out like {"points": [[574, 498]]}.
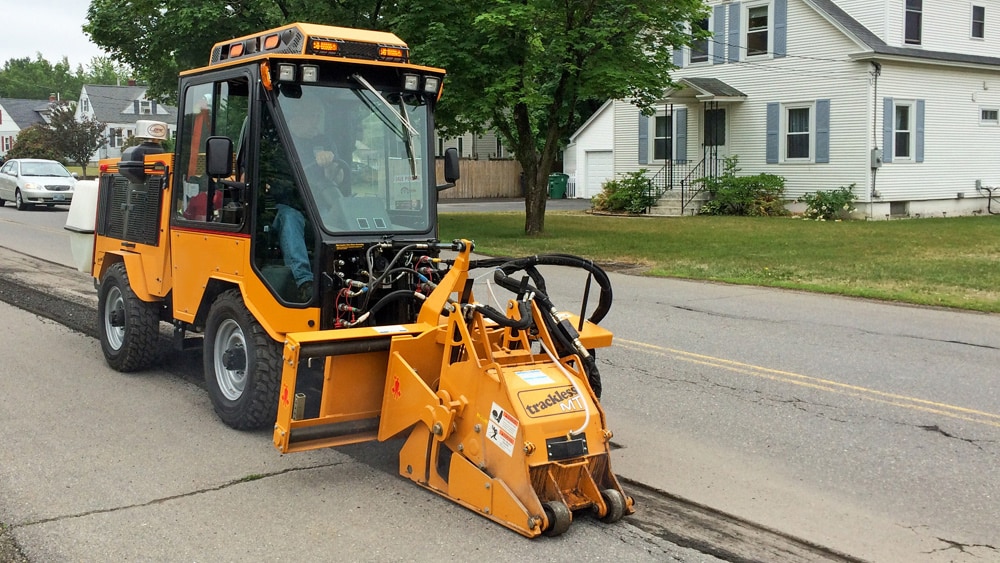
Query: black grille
{"points": [[130, 211], [57, 188]]}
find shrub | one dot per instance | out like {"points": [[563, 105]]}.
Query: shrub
{"points": [[832, 205], [760, 195], [633, 193]]}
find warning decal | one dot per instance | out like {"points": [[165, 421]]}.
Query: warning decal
{"points": [[502, 429]]}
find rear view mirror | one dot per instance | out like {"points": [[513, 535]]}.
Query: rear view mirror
{"points": [[451, 172], [219, 157]]}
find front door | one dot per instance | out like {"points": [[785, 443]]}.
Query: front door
{"points": [[715, 135]]}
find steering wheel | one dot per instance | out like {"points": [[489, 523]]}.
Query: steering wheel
{"points": [[338, 172]]}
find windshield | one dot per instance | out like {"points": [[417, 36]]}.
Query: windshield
{"points": [[44, 169], [362, 154]]}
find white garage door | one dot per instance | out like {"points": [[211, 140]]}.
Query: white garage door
{"points": [[600, 167]]}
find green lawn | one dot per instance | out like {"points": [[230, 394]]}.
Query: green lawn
{"points": [[944, 262]]}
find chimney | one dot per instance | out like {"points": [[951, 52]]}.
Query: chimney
{"points": [[52, 97], [131, 81]]}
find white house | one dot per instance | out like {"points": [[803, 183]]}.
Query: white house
{"points": [[900, 98], [119, 107], [17, 115]]}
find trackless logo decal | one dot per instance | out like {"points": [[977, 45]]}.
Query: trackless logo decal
{"points": [[550, 401]]}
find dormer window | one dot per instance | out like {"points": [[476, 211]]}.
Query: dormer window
{"points": [[145, 107]]}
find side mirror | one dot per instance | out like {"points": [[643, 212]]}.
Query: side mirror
{"points": [[219, 157], [451, 172], [75, 175]]}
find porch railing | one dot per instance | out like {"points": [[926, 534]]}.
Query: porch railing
{"points": [[685, 175]]}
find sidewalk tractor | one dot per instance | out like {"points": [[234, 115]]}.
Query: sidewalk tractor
{"points": [[291, 236]]}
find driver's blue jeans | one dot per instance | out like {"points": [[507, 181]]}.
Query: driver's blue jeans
{"points": [[290, 224]]}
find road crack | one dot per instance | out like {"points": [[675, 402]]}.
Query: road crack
{"points": [[937, 429], [240, 481]]}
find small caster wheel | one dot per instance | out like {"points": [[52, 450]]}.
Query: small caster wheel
{"points": [[616, 505], [559, 518]]}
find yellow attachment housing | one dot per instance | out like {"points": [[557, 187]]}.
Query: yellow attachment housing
{"points": [[496, 422]]}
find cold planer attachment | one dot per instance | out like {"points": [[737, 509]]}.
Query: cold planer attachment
{"points": [[500, 413]]}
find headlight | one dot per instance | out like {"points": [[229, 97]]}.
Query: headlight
{"points": [[33, 186]]}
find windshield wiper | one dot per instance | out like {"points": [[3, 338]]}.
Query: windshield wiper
{"points": [[401, 117]]}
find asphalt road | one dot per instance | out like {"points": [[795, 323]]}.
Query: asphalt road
{"points": [[866, 427]]}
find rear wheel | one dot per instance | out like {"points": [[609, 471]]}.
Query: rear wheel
{"points": [[129, 326], [242, 365], [19, 202], [2, 202]]}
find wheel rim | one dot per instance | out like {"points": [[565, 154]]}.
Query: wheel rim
{"points": [[230, 339], [114, 317], [17, 199]]}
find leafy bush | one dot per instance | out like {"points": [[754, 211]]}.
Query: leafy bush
{"points": [[633, 193], [760, 195], [832, 205]]}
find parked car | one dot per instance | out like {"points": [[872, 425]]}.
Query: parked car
{"points": [[27, 181]]}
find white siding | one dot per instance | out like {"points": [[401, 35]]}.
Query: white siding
{"points": [[958, 150], [869, 13], [947, 26]]}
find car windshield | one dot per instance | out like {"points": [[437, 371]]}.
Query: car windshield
{"points": [[376, 181], [43, 169]]}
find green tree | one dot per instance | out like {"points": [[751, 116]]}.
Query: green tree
{"points": [[75, 141], [525, 67], [38, 79], [34, 142], [159, 38]]}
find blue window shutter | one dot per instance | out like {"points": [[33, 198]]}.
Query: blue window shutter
{"points": [[679, 58], [887, 127], [153, 104], [643, 139], [135, 106], [822, 131], [772, 133], [780, 28], [681, 134], [920, 131], [734, 32], [718, 47]]}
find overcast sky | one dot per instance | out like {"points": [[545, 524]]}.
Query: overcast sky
{"points": [[49, 27]]}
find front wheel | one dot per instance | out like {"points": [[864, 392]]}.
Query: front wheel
{"points": [[242, 365], [129, 326], [19, 202]]}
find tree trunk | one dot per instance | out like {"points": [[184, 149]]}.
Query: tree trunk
{"points": [[535, 197]]}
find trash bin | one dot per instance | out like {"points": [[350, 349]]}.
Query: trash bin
{"points": [[557, 185]]}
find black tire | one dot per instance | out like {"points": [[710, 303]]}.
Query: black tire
{"points": [[19, 202], [129, 326], [2, 202], [616, 505], [559, 518], [242, 365]]}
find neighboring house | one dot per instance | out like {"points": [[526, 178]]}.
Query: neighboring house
{"points": [[589, 159], [900, 98], [487, 146], [17, 115], [119, 107]]}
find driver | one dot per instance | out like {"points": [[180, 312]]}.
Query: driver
{"points": [[306, 122]]}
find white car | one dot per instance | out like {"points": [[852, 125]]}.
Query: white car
{"points": [[27, 181]]}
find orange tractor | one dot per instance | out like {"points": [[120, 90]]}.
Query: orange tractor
{"points": [[292, 237]]}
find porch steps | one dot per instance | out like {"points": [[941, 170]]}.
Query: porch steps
{"points": [[669, 204]]}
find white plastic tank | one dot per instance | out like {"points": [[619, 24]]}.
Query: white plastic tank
{"points": [[80, 222]]}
